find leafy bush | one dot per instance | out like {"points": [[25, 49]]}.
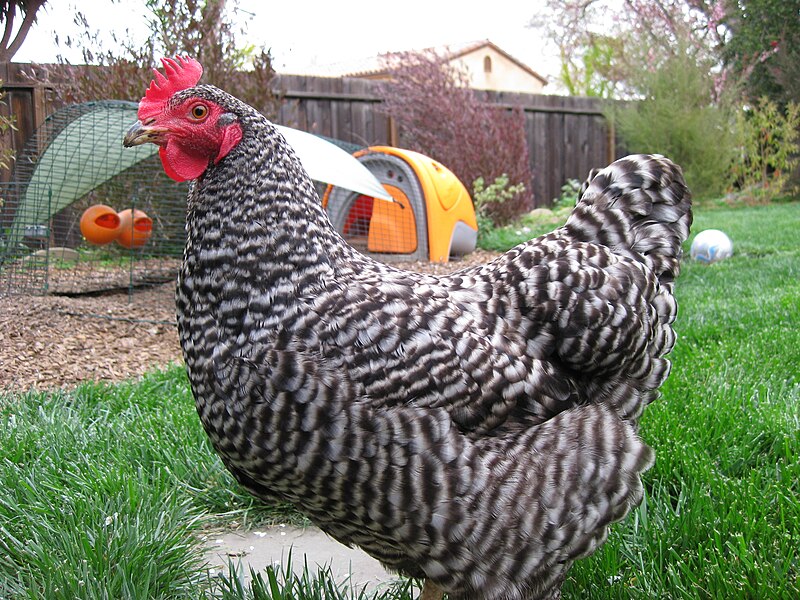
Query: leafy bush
{"points": [[678, 118], [488, 199], [569, 195], [531, 224], [438, 115], [768, 138]]}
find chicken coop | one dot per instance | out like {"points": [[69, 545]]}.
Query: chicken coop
{"points": [[85, 215], [430, 217], [76, 162]]}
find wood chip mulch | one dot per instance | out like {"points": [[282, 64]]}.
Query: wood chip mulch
{"points": [[52, 341], [59, 341]]}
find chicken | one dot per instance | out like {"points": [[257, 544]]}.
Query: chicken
{"points": [[477, 430]]}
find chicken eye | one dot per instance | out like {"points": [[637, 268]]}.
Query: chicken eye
{"points": [[199, 112]]}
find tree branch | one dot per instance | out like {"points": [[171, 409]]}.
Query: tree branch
{"points": [[27, 22], [7, 32]]}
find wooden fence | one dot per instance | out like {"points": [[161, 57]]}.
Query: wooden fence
{"points": [[566, 136], [27, 102]]}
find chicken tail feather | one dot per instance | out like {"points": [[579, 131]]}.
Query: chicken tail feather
{"points": [[640, 207]]}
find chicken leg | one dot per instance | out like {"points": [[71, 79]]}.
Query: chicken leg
{"points": [[431, 591]]}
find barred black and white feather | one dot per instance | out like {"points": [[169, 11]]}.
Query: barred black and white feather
{"points": [[478, 429]]}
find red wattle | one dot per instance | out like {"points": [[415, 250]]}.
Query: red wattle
{"points": [[162, 152], [180, 165]]}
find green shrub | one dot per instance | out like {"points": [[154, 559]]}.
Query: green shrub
{"points": [[768, 138], [679, 118], [486, 198], [569, 195]]}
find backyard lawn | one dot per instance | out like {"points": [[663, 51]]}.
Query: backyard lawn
{"points": [[106, 491]]}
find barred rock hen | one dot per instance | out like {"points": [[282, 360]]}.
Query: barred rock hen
{"points": [[477, 430]]}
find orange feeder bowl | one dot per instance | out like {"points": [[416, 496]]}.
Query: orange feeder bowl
{"points": [[100, 224], [136, 228]]}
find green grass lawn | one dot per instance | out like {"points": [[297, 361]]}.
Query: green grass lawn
{"points": [[104, 491]]}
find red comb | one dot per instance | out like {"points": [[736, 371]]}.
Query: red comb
{"points": [[181, 72]]}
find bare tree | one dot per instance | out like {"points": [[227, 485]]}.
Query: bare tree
{"points": [[203, 29], [27, 9]]}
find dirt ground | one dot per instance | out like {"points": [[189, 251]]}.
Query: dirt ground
{"points": [[57, 341]]}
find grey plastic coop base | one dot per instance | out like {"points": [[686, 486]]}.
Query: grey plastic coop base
{"points": [[463, 240]]}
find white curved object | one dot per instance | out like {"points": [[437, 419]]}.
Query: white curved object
{"points": [[327, 162]]}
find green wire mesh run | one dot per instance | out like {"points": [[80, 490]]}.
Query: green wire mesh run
{"points": [[76, 160]]}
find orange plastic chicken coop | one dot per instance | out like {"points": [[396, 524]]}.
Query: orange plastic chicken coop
{"points": [[431, 217]]}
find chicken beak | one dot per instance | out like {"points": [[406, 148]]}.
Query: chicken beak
{"points": [[139, 133]]}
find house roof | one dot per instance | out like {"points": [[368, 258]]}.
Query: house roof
{"points": [[376, 66]]}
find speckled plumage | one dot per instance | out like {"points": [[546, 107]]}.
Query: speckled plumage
{"points": [[476, 429]]}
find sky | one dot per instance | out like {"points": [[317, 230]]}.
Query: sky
{"points": [[302, 33]]}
